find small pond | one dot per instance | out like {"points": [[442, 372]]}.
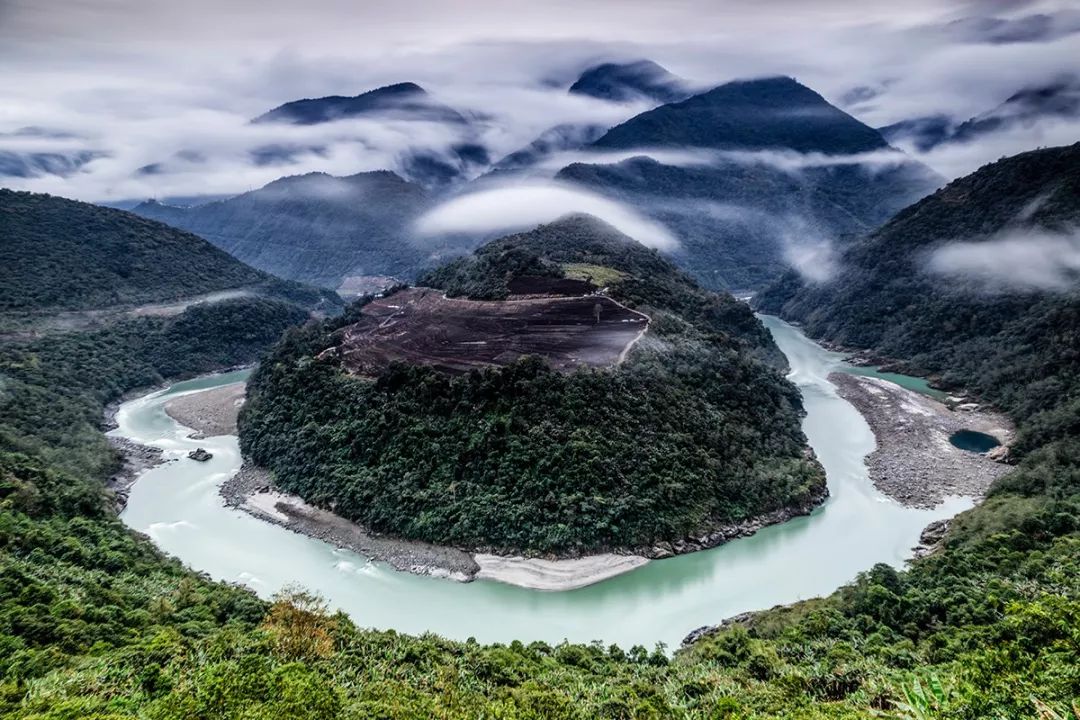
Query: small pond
{"points": [[973, 441]]}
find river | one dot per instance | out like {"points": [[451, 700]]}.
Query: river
{"points": [[177, 504]]}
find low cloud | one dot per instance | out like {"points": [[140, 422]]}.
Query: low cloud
{"points": [[1019, 260], [524, 206]]}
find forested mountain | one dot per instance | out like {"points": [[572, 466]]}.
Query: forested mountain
{"points": [[641, 80], [521, 455], [974, 284], [768, 114], [66, 255], [773, 165], [315, 228]]}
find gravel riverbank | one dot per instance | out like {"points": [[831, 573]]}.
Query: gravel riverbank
{"points": [[914, 462], [209, 412]]}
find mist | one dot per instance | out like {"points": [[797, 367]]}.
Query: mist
{"points": [[1020, 260]]}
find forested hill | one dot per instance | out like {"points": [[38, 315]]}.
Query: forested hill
{"points": [[66, 255], [656, 449], [974, 284]]}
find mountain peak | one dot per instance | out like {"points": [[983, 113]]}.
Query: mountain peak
{"points": [[767, 113], [630, 81], [404, 101]]}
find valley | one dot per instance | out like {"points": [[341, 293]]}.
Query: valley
{"points": [[659, 601]]}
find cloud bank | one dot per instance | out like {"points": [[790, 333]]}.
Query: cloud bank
{"points": [[524, 206], [1019, 260]]}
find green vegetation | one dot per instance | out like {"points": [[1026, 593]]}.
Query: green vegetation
{"points": [[1018, 349], [690, 433], [596, 274], [65, 255], [94, 623]]}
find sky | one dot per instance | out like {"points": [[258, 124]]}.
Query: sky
{"points": [[174, 84]]}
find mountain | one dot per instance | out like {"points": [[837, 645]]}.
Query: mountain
{"points": [[521, 389], [1055, 100], [974, 284], [768, 114], [66, 255], [561, 138], [769, 164], [407, 102], [404, 101], [641, 80], [314, 228], [924, 133]]}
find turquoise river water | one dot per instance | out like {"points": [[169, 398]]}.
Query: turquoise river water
{"points": [[177, 504]]}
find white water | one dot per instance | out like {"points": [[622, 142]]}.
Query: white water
{"points": [[177, 504]]}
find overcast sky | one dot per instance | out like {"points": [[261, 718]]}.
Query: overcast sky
{"points": [[141, 80]]}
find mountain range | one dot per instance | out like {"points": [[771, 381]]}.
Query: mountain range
{"points": [[770, 161]]}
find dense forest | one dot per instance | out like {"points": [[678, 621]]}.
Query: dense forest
{"points": [[1011, 341], [66, 255], [94, 623], [691, 433]]}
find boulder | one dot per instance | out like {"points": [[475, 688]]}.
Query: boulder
{"points": [[200, 455]]}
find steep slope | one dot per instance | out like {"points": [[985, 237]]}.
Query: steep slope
{"points": [[456, 436], [641, 80], [66, 255], [315, 228], [974, 284], [774, 165]]}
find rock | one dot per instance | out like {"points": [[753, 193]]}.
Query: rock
{"points": [[659, 552], [1000, 454], [200, 455], [968, 407], [933, 533], [704, 631]]}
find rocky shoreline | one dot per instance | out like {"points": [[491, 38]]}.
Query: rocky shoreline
{"points": [[914, 462], [251, 490]]}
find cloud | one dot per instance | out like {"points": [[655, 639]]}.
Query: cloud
{"points": [[144, 80], [1021, 260], [524, 206]]}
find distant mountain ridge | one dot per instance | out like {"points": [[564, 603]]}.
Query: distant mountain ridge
{"points": [[631, 81], [405, 100], [770, 113], [737, 214], [314, 228], [1056, 99]]}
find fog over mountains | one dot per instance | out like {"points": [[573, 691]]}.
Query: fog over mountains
{"points": [[751, 159]]}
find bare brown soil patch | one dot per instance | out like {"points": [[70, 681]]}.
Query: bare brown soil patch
{"points": [[421, 327]]}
